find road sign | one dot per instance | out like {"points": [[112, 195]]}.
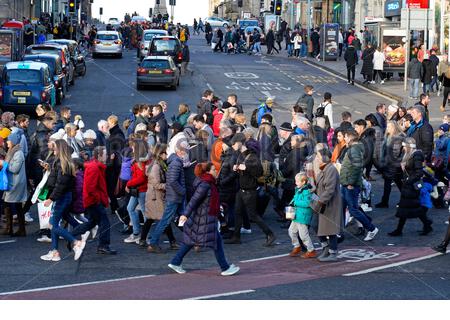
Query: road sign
{"points": [[418, 4], [418, 19]]}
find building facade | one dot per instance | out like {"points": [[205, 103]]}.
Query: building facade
{"points": [[16, 9]]}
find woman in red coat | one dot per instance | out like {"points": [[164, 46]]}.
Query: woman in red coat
{"points": [[137, 188]]}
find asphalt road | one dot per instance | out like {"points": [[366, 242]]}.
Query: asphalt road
{"points": [[109, 87]]}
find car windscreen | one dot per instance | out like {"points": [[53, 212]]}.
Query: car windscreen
{"points": [[161, 45], [155, 64], [244, 24], [107, 37], [50, 62], [23, 76], [150, 35]]}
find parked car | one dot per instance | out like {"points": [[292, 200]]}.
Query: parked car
{"points": [[147, 38], [158, 70], [107, 42], [166, 46], [76, 56], [62, 51], [26, 84], [245, 23], [54, 63], [217, 22]]}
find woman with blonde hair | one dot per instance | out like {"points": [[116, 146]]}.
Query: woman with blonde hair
{"points": [[60, 183], [228, 119], [241, 121], [183, 114]]}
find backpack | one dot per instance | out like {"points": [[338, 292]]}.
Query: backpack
{"points": [[253, 119], [320, 112]]}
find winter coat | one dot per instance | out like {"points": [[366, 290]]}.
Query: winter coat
{"points": [[163, 133], [415, 69], [409, 205], [435, 60], [204, 107], [138, 178], [17, 179], [294, 163], [423, 134], [58, 183], [428, 69], [216, 153], [284, 151], [200, 229], [329, 194], [127, 162], [248, 179], [352, 165], [216, 122], [94, 184], [297, 42], [266, 143], [116, 141], [77, 198], [301, 202], [175, 181], [442, 149], [39, 149], [156, 191], [320, 134], [391, 156], [198, 152], [378, 60], [307, 101], [228, 178], [182, 118], [367, 139], [367, 57], [351, 56]]}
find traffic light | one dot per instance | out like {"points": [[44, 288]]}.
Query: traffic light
{"points": [[278, 7], [240, 3], [158, 2], [272, 6], [72, 6]]}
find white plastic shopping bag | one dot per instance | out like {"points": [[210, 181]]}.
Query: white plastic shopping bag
{"points": [[44, 215], [39, 187]]}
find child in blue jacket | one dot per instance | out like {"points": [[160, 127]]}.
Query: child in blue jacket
{"points": [[303, 214]]}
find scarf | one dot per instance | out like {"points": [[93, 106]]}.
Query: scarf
{"points": [[214, 204], [414, 126], [11, 152]]}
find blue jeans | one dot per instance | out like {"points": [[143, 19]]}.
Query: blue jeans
{"points": [[218, 252], [414, 88], [290, 49], [170, 210], [134, 215], [434, 83], [60, 209], [257, 47], [303, 50], [426, 87], [350, 200]]}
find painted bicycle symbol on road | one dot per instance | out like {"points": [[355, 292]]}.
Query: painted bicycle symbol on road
{"points": [[360, 255]]}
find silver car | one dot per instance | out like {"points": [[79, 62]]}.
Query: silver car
{"points": [[107, 42], [158, 70], [147, 39]]}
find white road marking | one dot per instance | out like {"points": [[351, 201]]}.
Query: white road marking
{"points": [[396, 264], [358, 112], [74, 285], [209, 86], [345, 107], [268, 95], [7, 241], [226, 294], [265, 258], [356, 84]]}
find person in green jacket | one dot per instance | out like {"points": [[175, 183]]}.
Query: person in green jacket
{"points": [[303, 214]]}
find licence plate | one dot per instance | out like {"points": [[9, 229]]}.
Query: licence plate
{"points": [[22, 93], [22, 100], [107, 44], [155, 71]]}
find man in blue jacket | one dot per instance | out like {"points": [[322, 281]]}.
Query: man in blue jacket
{"points": [[175, 194]]}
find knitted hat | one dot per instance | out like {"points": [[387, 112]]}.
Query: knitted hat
{"points": [[444, 127], [14, 137]]}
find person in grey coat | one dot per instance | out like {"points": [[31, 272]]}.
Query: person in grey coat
{"points": [[328, 206], [17, 185], [414, 75]]}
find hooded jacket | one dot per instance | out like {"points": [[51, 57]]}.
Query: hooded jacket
{"points": [[94, 185], [175, 181], [248, 179]]}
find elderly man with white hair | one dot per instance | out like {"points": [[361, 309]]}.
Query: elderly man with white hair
{"points": [[102, 132]]}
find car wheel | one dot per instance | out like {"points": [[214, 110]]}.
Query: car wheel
{"points": [[119, 56], [173, 87], [178, 82], [225, 25], [94, 55], [83, 71]]}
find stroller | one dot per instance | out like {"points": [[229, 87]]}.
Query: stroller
{"points": [[242, 47]]}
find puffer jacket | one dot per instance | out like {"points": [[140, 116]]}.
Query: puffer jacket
{"points": [[200, 229], [138, 178], [77, 199], [415, 69], [352, 165], [301, 202], [392, 154], [428, 69], [367, 139], [294, 164], [175, 181], [58, 183], [227, 180], [423, 134], [248, 179]]}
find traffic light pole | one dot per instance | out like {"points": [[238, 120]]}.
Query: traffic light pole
{"points": [[309, 21]]}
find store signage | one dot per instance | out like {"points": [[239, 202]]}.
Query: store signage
{"points": [[418, 4], [392, 8]]}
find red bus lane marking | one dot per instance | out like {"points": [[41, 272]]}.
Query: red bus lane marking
{"points": [[261, 273]]}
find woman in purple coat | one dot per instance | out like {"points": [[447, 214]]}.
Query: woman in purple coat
{"points": [[200, 221]]}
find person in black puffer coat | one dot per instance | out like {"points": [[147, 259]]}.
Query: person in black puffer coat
{"points": [[200, 220], [367, 138], [428, 71], [409, 206], [367, 67]]}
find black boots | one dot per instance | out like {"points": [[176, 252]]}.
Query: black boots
{"points": [[442, 248], [426, 228], [395, 233], [9, 222], [21, 218]]}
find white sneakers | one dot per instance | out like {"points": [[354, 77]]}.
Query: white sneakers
{"points": [[366, 207], [85, 236], [371, 234], [246, 231], [177, 269], [132, 239], [44, 238], [382, 82], [28, 217], [94, 232], [52, 255], [78, 249], [231, 270]]}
